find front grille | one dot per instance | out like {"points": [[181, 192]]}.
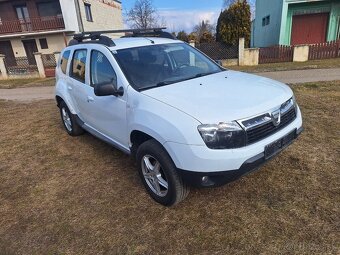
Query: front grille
{"points": [[267, 129]]}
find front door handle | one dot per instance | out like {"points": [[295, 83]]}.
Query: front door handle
{"points": [[90, 99]]}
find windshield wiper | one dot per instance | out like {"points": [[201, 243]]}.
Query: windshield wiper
{"points": [[164, 83], [159, 84], [203, 74]]}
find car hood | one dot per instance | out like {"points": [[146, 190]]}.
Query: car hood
{"points": [[223, 96]]}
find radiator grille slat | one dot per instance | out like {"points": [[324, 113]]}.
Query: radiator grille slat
{"points": [[258, 133]]}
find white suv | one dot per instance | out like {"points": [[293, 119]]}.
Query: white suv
{"points": [[185, 119]]}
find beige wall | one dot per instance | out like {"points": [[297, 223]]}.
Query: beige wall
{"points": [[301, 53], [229, 62], [251, 57], [106, 14], [55, 43]]}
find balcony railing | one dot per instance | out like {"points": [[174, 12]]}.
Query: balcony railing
{"points": [[32, 25]]}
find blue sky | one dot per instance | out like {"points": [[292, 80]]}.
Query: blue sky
{"points": [[184, 14]]}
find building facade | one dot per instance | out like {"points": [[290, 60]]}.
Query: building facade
{"points": [[46, 26], [293, 22]]}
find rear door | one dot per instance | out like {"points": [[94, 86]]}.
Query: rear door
{"points": [[77, 84]]}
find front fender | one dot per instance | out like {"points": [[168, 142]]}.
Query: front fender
{"points": [[161, 121]]}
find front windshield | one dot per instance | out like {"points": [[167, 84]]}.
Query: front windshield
{"points": [[158, 65]]}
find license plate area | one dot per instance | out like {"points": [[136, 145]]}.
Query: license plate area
{"points": [[275, 147]]}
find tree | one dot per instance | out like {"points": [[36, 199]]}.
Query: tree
{"points": [[183, 36], [192, 37], [207, 37], [227, 3], [234, 23], [204, 31], [143, 15]]}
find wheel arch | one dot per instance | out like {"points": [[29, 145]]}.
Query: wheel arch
{"points": [[139, 136]]}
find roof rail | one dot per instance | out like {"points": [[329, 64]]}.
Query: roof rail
{"points": [[98, 37]]}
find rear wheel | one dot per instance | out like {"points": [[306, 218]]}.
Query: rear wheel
{"points": [[69, 121], [159, 174]]}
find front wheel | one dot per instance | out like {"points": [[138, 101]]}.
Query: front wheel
{"points": [[159, 174]]}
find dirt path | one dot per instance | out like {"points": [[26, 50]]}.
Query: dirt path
{"points": [[301, 76], [27, 94], [296, 76]]}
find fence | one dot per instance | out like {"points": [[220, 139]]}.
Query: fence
{"points": [[20, 66], [276, 54], [32, 24], [49, 63], [324, 50], [218, 51]]}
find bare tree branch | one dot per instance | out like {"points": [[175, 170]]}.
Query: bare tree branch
{"points": [[143, 15]]}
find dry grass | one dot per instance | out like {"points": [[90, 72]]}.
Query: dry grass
{"points": [[25, 83], [64, 195], [313, 64]]}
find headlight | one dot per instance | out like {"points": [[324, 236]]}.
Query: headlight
{"points": [[223, 135]]}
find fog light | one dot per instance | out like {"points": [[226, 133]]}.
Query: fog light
{"points": [[205, 179]]}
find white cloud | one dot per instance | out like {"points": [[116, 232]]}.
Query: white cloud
{"points": [[177, 20]]}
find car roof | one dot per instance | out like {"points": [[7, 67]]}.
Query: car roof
{"points": [[132, 42], [128, 42]]}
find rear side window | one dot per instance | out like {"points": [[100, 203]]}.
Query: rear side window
{"points": [[101, 69], [64, 61], [78, 65]]}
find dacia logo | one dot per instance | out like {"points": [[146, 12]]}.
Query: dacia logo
{"points": [[276, 117]]}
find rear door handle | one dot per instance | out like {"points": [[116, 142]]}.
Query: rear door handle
{"points": [[69, 88], [90, 99]]}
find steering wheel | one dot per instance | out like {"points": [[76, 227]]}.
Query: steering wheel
{"points": [[183, 65]]}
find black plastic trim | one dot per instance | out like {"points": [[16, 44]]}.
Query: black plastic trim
{"points": [[216, 179]]}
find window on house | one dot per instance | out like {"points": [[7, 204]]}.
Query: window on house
{"points": [[78, 65], [64, 61], [49, 8], [43, 43], [266, 21], [88, 12]]}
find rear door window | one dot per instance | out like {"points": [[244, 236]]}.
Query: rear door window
{"points": [[78, 69]]}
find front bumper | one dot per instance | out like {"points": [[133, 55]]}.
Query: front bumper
{"points": [[214, 179]]}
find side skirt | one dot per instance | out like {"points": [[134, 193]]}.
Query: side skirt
{"points": [[102, 137]]}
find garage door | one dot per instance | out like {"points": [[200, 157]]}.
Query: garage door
{"points": [[309, 28]]}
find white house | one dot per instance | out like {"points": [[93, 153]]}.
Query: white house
{"points": [[46, 26]]}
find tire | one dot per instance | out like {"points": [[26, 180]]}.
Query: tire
{"points": [[152, 155], [69, 121]]}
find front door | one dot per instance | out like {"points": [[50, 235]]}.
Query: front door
{"points": [[30, 48], [7, 50], [309, 28], [24, 17], [107, 113]]}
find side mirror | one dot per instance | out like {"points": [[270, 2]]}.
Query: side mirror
{"points": [[107, 89]]}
